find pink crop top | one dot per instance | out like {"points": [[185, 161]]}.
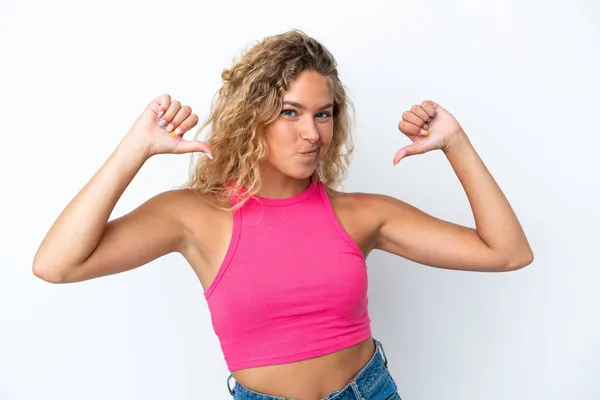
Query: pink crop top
{"points": [[292, 285]]}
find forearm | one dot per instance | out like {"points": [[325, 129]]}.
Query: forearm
{"points": [[496, 223], [79, 228]]}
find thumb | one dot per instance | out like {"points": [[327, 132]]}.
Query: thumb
{"points": [[410, 150], [192, 146]]}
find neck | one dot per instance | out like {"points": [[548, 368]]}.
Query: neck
{"points": [[276, 185]]}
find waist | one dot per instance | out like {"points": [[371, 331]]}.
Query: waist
{"points": [[311, 378]]}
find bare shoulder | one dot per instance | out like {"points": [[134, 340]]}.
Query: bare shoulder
{"points": [[191, 218], [360, 214], [369, 205], [199, 203], [200, 214], [182, 206], [208, 225]]}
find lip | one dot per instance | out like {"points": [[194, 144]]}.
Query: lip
{"points": [[310, 153]]}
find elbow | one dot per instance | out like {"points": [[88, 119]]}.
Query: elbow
{"points": [[520, 261], [50, 275]]}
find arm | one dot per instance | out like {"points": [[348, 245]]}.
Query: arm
{"points": [[82, 245], [497, 243]]}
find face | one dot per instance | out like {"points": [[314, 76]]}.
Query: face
{"points": [[300, 136]]}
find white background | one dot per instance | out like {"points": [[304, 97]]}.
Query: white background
{"points": [[522, 79]]}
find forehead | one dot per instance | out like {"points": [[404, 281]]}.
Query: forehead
{"points": [[311, 89]]}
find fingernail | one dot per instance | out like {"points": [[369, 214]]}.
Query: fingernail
{"points": [[424, 132], [160, 114], [177, 131], [169, 127], [209, 156], [162, 122]]}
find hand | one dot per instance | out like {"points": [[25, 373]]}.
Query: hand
{"points": [[161, 126], [430, 127]]}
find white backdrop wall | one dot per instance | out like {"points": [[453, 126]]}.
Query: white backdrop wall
{"points": [[522, 79]]}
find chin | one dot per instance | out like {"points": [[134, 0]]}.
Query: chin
{"points": [[304, 173], [298, 171]]}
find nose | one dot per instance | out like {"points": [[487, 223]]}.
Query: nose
{"points": [[309, 132]]}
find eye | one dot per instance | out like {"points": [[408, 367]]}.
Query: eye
{"points": [[324, 114], [288, 112]]}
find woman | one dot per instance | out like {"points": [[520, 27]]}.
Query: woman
{"points": [[279, 253]]}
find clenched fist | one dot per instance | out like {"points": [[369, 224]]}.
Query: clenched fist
{"points": [[430, 127]]}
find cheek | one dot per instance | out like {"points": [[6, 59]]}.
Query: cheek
{"points": [[326, 136], [280, 138]]}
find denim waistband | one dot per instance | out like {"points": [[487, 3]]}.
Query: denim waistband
{"points": [[358, 385]]}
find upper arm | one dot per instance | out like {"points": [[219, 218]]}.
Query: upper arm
{"points": [[148, 232], [406, 231]]}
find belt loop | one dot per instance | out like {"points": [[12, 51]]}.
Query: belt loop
{"points": [[231, 391], [356, 391], [380, 346]]}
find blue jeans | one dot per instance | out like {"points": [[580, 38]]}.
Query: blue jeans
{"points": [[373, 382]]}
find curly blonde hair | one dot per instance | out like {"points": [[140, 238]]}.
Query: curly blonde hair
{"points": [[250, 99]]}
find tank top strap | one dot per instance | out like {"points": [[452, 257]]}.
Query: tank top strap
{"points": [[322, 189]]}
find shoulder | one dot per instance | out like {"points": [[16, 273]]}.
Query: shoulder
{"points": [[181, 203], [186, 205], [372, 204], [373, 209], [371, 217], [188, 196], [195, 213], [362, 214]]}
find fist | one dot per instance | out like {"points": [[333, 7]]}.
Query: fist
{"points": [[429, 126]]}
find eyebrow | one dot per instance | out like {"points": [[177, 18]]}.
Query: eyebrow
{"points": [[293, 103]]}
